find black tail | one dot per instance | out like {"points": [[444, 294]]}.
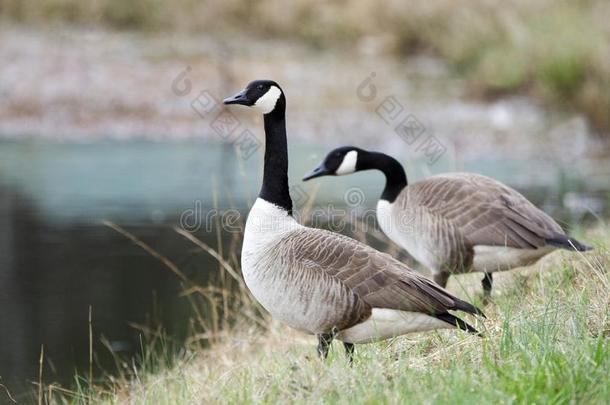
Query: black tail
{"points": [[462, 305], [455, 321], [459, 305], [565, 242]]}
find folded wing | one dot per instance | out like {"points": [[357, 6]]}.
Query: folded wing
{"points": [[485, 211], [376, 279]]}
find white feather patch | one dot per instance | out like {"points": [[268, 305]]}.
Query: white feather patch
{"points": [[401, 225], [266, 102], [386, 323], [499, 258], [349, 163]]}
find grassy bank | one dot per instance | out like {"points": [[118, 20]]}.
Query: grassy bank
{"points": [[546, 342], [555, 50]]}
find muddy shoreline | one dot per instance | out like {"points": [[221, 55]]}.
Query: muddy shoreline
{"points": [[87, 85]]}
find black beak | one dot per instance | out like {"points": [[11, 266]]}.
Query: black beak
{"points": [[239, 98], [319, 171]]}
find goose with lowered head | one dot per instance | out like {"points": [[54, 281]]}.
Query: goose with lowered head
{"points": [[454, 222]]}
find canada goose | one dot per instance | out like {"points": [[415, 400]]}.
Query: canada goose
{"points": [[321, 282], [454, 222]]}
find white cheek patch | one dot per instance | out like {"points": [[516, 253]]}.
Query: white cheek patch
{"points": [[349, 163], [266, 103]]}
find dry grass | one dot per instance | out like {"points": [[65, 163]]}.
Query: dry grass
{"points": [[546, 342]]}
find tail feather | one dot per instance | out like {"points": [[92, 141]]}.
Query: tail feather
{"points": [[458, 304], [459, 323], [467, 307], [565, 242]]}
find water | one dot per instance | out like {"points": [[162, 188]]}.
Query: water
{"points": [[57, 258]]}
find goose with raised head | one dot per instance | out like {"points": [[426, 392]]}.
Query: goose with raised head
{"points": [[455, 222], [321, 282]]}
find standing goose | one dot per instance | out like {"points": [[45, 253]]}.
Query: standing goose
{"points": [[321, 282], [455, 222]]}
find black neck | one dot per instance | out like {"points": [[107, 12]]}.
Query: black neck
{"points": [[275, 172], [395, 177]]}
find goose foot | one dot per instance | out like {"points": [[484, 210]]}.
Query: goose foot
{"points": [[487, 283], [349, 352], [324, 341]]}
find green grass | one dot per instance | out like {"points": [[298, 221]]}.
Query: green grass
{"points": [[547, 341], [554, 50]]}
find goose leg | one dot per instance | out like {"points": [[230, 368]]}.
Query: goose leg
{"points": [[349, 351], [441, 278], [487, 283], [324, 341]]}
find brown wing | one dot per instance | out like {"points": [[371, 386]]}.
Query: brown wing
{"points": [[484, 210], [374, 277]]}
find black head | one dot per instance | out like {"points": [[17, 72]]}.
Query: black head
{"points": [[264, 95], [343, 160]]}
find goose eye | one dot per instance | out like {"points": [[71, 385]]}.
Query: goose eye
{"points": [[260, 87]]}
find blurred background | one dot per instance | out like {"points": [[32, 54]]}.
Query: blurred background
{"points": [[110, 111]]}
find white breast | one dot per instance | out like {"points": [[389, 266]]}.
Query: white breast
{"points": [[266, 225], [402, 228], [385, 217], [271, 278]]}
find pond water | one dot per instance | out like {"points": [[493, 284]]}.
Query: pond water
{"points": [[57, 258]]}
